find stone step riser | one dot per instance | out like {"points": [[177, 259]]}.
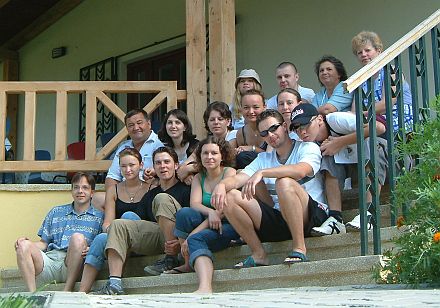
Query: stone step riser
{"points": [[323, 248], [336, 272]]}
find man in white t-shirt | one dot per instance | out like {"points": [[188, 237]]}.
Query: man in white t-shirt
{"points": [[290, 174], [287, 77], [336, 135]]}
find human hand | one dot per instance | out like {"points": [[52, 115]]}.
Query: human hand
{"points": [[215, 221], [188, 180], [218, 197], [331, 146], [248, 190], [149, 174], [184, 249], [85, 251], [172, 247]]}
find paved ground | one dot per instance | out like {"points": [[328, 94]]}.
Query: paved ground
{"points": [[353, 296]]}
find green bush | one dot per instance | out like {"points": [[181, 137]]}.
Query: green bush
{"points": [[19, 301], [417, 256]]}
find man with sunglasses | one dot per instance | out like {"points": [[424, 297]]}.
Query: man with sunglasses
{"points": [[335, 133], [290, 176]]}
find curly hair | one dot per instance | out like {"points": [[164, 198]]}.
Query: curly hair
{"points": [[225, 151], [336, 62], [187, 134], [363, 38]]}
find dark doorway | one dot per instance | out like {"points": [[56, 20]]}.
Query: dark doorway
{"points": [[164, 67]]}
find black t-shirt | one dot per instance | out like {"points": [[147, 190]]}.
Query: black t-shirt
{"points": [[179, 191]]}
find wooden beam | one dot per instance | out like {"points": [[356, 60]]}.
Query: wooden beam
{"points": [[196, 88], [3, 104], [3, 3], [10, 73], [222, 64], [61, 126], [30, 110], [40, 24], [90, 125], [54, 165]]}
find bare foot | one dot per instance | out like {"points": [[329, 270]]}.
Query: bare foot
{"points": [[180, 270], [203, 291]]}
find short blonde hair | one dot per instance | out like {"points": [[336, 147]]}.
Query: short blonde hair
{"points": [[365, 37]]}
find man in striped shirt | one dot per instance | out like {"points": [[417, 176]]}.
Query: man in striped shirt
{"points": [[66, 234]]}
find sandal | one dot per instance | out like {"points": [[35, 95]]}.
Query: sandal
{"points": [[295, 257], [248, 263], [177, 270]]}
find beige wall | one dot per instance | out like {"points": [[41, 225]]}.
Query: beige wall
{"points": [[23, 213], [269, 32]]}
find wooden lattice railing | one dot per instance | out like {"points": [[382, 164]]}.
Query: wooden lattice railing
{"points": [[166, 92]]}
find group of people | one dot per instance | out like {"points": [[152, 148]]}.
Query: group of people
{"points": [[268, 170]]}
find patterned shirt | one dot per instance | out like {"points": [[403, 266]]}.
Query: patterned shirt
{"points": [[62, 221], [407, 101]]}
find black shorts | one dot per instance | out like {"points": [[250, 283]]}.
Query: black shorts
{"points": [[273, 227]]}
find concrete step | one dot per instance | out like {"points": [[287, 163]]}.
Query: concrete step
{"points": [[321, 248], [333, 272]]}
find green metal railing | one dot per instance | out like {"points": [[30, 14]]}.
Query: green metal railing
{"points": [[414, 45]]}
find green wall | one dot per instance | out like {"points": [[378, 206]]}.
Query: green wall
{"points": [[267, 32]]}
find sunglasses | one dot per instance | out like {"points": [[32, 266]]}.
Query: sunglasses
{"points": [[304, 126], [271, 129]]}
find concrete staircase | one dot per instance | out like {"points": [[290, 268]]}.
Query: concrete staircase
{"points": [[334, 261]]}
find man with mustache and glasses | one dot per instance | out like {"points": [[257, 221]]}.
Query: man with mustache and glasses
{"points": [[290, 175]]}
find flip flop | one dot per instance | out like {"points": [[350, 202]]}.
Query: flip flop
{"points": [[295, 257], [176, 271], [248, 263]]}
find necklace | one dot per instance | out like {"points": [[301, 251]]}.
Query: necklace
{"points": [[132, 196]]}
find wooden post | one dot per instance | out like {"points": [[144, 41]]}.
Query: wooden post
{"points": [[10, 73], [222, 64], [196, 64]]}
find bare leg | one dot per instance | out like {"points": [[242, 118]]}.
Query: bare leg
{"points": [[98, 200], [30, 262], [205, 270], [115, 263], [167, 227], [293, 201], [333, 192], [74, 259], [245, 216], [88, 278]]}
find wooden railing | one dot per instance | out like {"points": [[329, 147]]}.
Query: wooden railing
{"points": [[390, 60], [166, 92]]}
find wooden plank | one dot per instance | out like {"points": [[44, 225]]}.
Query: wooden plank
{"points": [[155, 102], [10, 73], [181, 95], [358, 78], [112, 144], [41, 23], [54, 165], [90, 125], [61, 126], [172, 97], [82, 86], [30, 108], [3, 3], [196, 64], [3, 106], [222, 65], [114, 109]]}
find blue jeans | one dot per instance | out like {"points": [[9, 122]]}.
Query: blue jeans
{"points": [[204, 242], [96, 256]]}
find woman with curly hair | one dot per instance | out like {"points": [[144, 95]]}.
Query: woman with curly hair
{"points": [[201, 228]]}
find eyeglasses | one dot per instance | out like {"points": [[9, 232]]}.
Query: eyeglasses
{"points": [[271, 129], [83, 187], [304, 126]]}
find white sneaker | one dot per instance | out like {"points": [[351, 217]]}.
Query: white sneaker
{"points": [[355, 224], [329, 227]]}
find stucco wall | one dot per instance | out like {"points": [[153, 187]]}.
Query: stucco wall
{"points": [[267, 33]]}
